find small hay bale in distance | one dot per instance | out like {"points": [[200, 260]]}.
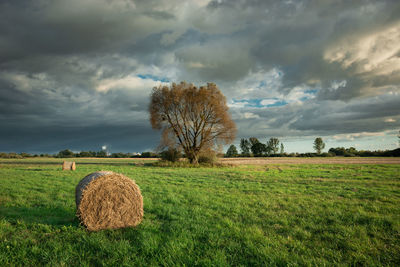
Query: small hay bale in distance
{"points": [[108, 200], [69, 166]]}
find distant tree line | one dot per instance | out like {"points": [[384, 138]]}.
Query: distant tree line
{"points": [[352, 152], [252, 147]]}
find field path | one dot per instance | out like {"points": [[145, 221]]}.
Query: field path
{"points": [[288, 160]]}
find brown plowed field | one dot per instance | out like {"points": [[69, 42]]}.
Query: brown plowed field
{"points": [[335, 160]]}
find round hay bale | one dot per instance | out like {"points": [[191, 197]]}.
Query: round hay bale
{"points": [[108, 200]]}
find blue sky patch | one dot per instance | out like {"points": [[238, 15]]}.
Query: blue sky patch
{"points": [[153, 77], [278, 103], [311, 91], [261, 103], [262, 84]]}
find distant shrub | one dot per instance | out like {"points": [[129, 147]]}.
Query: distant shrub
{"points": [[87, 154], [207, 157], [329, 154], [367, 153], [392, 153], [10, 155], [278, 155], [171, 154], [46, 156], [149, 155], [307, 155], [65, 154]]}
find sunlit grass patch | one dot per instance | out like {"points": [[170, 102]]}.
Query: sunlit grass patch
{"points": [[244, 215]]}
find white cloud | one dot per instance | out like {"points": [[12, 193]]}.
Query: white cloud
{"points": [[298, 94], [267, 102], [338, 84], [267, 87], [370, 53], [25, 83], [261, 85], [195, 65], [353, 136], [238, 105], [128, 82], [390, 120], [249, 115]]}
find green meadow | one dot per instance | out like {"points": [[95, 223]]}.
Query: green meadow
{"points": [[276, 215]]}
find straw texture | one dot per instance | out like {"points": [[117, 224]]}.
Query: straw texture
{"points": [[108, 200], [68, 166]]}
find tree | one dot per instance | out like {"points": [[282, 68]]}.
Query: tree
{"points": [[65, 154], [253, 141], [232, 151], [273, 144], [282, 148], [319, 145], [258, 149], [191, 119], [245, 146]]}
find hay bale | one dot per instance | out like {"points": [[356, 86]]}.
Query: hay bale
{"points": [[108, 200], [68, 166]]}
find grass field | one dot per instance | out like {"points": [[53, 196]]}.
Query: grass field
{"points": [[275, 215]]}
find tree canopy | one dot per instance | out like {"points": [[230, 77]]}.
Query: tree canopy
{"points": [[245, 146], [259, 149], [232, 151], [273, 144], [193, 119], [319, 145], [253, 141]]}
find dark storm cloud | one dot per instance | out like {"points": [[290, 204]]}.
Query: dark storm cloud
{"points": [[60, 27], [117, 138], [368, 115], [67, 68]]}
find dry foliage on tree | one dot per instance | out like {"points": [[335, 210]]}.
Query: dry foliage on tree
{"points": [[192, 119]]}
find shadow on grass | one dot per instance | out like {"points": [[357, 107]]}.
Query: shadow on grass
{"points": [[55, 216]]}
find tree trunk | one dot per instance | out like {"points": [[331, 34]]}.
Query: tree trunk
{"points": [[193, 158]]}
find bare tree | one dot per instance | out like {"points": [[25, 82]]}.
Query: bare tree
{"points": [[191, 118]]}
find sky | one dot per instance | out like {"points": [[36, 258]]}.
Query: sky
{"points": [[78, 74]]}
